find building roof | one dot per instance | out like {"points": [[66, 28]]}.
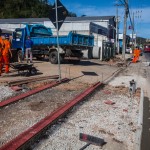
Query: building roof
{"points": [[22, 20], [92, 18], [6, 31], [34, 20]]}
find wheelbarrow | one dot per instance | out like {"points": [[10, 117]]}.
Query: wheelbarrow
{"points": [[24, 69]]}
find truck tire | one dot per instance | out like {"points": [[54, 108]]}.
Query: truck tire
{"points": [[33, 71], [53, 57]]}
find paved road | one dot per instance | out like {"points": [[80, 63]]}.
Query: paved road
{"points": [[147, 56], [145, 143]]}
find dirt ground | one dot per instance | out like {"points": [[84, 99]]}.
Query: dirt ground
{"points": [[93, 69]]}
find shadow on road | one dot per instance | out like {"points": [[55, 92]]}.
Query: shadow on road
{"points": [[88, 63]]}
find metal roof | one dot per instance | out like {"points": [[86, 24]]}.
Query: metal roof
{"points": [[22, 20], [91, 18], [34, 20]]}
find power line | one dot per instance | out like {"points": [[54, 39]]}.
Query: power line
{"points": [[121, 2]]}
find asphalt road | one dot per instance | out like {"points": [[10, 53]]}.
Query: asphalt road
{"points": [[145, 142], [147, 56]]}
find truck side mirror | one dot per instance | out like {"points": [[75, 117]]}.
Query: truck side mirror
{"points": [[14, 35]]}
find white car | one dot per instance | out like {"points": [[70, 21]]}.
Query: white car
{"points": [[128, 50]]}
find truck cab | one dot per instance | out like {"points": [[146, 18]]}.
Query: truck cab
{"points": [[19, 39], [20, 34]]}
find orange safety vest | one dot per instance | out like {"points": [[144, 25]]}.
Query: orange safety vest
{"points": [[136, 52], [6, 47], [1, 46]]}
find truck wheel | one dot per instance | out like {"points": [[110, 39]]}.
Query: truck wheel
{"points": [[53, 57], [33, 71]]}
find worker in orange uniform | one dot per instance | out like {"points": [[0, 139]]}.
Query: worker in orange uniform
{"points": [[6, 53], [1, 52], [136, 55]]}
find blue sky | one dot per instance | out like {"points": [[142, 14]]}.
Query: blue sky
{"points": [[141, 9]]}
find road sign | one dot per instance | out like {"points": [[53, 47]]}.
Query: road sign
{"points": [[62, 13]]}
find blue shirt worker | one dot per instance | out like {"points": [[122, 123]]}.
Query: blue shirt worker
{"points": [[28, 46]]}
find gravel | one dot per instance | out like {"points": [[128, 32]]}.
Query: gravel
{"points": [[19, 116], [5, 92], [124, 80], [116, 123]]}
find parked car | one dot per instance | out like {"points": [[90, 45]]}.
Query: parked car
{"points": [[129, 50]]}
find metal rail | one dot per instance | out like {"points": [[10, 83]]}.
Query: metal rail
{"points": [[22, 140], [28, 80], [34, 91]]}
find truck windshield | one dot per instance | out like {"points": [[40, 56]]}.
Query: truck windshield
{"points": [[18, 34], [40, 31]]}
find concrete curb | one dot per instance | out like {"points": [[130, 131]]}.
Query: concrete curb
{"points": [[140, 123], [113, 75]]}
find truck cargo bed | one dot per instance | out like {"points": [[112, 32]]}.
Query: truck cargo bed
{"points": [[70, 39]]}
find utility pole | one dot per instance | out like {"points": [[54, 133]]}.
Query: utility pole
{"points": [[117, 29], [59, 70], [132, 31], [125, 29], [117, 23]]}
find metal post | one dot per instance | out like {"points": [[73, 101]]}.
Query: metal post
{"points": [[108, 32], [59, 71], [97, 36], [132, 32], [114, 29], [117, 24], [117, 33], [125, 29]]}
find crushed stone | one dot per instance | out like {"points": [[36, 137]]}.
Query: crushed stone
{"points": [[5, 92]]}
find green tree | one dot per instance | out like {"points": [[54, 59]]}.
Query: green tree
{"points": [[26, 9]]}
